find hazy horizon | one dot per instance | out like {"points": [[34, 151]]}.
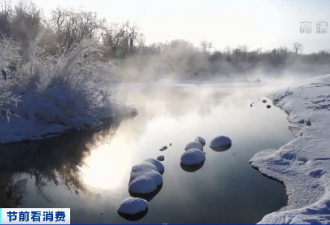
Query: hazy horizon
{"points": [[258, 23]]}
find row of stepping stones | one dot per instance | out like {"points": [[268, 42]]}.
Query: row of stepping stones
{"points": [[146, 178], [145, 182], [263, 101]]}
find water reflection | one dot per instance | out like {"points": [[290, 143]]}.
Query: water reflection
{"points": [[221, 148], [192, 168], [135, 217], [148, 196], [11, 191], [55, 161]]}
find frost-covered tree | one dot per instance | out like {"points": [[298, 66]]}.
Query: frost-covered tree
{"points": [[122, 40], [297, 47], [72, 26], [206, 46]]}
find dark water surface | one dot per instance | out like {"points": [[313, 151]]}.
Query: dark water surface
{"points": [[89, 172]]}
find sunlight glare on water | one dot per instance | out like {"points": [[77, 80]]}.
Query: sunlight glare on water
{"points": [[107, 166]]}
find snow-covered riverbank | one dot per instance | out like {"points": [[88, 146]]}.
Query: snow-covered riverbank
{"points": [[18, 129], [304, 163]]}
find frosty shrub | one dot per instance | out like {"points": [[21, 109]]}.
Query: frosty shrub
{"points": [[8, 55], [56, 90]]}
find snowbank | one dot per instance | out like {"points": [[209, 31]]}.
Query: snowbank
{"points": [[302, 164], [194, 145], [14, 128], [132, 206], [192, 157], [201, 140]]}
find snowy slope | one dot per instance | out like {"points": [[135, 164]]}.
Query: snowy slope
{"points": [[304, 163]]}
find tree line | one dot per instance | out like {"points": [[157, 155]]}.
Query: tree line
{"points": [[64, 28], [24, 22]]}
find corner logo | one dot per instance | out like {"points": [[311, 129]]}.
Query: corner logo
{"points": [[306, 27], [321, 27]]}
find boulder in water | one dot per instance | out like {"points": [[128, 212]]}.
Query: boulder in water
{"points": [[200, 140], [146, 177], [220, 143], [194, 145], [192, 157], [132, 206], [161, 158], [157, 164]]}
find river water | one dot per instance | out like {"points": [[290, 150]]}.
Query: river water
{"points": [[89, 171]]}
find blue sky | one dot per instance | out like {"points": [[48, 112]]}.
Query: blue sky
{"points": [[255, 23]]}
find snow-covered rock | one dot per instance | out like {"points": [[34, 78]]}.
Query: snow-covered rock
{"points": [[157, 164], [194, 145], [192, 157], [200, 140], [146, 177], [302, 164], [220, 141], [192, 168], [141, 168], [132, 206], [145, 183], [161, 158]]}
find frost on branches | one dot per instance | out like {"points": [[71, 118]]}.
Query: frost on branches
{"points": [[46, 95]]}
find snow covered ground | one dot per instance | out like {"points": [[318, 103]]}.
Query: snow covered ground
{"points": [[16, 128], [303, 164]]}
